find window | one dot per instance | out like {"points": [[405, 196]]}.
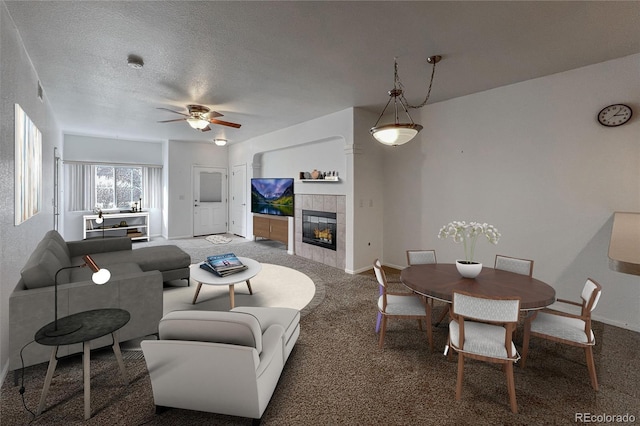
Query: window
{"points": [[106, 186], [117, 187]]}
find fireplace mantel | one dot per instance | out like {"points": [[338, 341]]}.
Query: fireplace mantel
{"points": [[328, 203]]}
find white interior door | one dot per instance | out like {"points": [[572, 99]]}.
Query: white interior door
{"points": [[238, 224], [210, 200]]}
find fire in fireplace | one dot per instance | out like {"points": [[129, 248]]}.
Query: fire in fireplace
{"points": [[319, 228]]}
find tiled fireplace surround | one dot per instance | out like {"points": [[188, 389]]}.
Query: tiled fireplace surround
{"points": [[324, 203]]}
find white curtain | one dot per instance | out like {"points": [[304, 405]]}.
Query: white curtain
{"points": [[80, 183], [152, 187]]}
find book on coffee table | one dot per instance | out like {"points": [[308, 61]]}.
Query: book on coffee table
{"points": [[207, 267], [223, 264]]}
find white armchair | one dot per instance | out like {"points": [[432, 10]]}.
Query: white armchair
{"points": [[220, 362]]}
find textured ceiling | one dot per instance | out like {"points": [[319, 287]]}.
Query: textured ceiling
{"points": [[270, 65]]}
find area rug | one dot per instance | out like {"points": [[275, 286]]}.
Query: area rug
{"points": [[218, 239], [274, 286]]}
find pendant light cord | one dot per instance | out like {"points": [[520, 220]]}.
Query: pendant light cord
{"points": [[404, 100]]}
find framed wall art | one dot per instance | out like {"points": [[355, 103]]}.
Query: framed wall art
{"points": [[28, 167]]}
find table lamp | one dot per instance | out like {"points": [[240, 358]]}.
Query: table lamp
{"points": [[100, 276]]}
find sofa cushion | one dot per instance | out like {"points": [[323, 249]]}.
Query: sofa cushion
{"points": [[162, 258], [55, 248], [57, 238], [41, 268], [288, 318], [105, 260], [116, 270], [232, 328]]}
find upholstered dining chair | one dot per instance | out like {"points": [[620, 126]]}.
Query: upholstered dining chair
{"points": [[570, 329], [514, 264], [426, 257], [482, 328], [421, 257], [400, 306]]}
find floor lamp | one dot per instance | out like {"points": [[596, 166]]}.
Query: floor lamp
{"points": [[100, 276]]}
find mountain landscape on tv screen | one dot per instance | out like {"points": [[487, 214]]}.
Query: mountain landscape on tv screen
{"points": [[272, 196]]}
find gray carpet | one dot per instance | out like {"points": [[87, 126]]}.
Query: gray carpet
{"points": [[337, 375]]}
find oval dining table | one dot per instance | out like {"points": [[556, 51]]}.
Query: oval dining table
{"points": [[440, 280]]}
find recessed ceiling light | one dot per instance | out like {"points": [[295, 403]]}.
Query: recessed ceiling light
{"points": [[220, 142], [135, 62]]}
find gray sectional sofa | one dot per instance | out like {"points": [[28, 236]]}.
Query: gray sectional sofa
{"points": [[135, 285]]}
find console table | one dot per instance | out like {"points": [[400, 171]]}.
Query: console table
{"points": [[92, 325], [137, 225]]}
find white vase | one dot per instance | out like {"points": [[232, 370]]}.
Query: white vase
{"points": [[468, 269]]}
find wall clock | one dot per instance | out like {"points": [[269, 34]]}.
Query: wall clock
{"points": [[614, 115]]}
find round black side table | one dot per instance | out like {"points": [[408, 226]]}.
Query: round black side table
{"points": [[82, 328]]}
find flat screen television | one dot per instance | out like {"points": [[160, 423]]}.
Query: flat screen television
{"points": [[272, 196]]}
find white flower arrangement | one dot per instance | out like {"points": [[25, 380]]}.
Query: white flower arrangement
{"points": [[468, 233]]}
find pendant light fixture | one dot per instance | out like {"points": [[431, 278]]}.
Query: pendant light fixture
{"points": [[399, 133]]}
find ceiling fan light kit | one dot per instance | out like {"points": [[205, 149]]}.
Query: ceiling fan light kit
{"points": [[197, 123], [199, 118], [399, 133]]}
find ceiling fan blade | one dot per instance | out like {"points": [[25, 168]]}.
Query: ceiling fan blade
{"points": [[171, 121], [224, 123], [206, 129], [213, 114], [176, 112]]}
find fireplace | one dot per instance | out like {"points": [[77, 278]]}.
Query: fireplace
{"points": [[319, 229]]}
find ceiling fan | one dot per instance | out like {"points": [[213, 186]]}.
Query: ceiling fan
{"points": [[199, 117]]}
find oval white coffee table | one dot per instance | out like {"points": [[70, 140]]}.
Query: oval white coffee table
{"points": [[205, 277]]}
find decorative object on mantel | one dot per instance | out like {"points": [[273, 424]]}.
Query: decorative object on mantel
{"points": [[401, 133], [316, 175], [468, 234]]}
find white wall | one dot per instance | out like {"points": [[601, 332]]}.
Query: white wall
{"points": [[107, 150], [181, 157], [110, 151], [532, 160], [18, 84], [368, 203], [290, 149], [326, 155]]}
